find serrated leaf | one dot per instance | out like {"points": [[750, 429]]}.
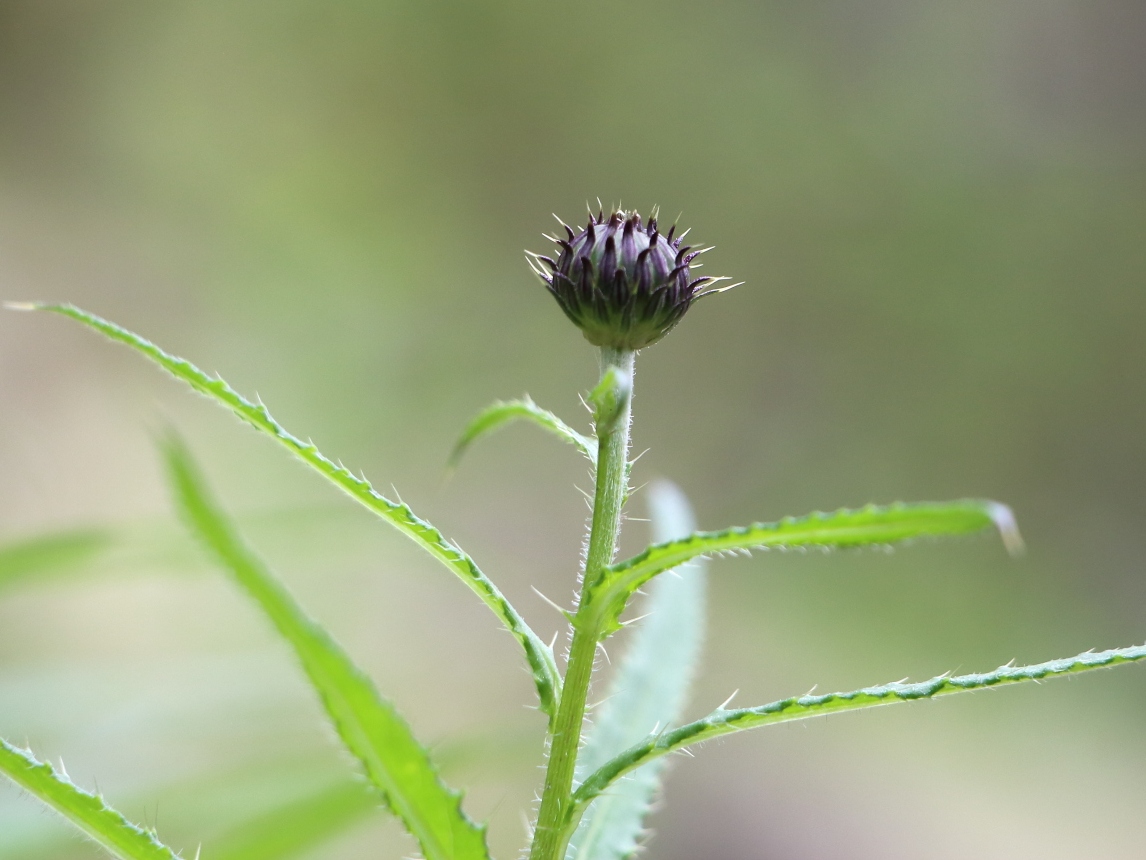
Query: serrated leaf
{"points": [[501, 413], [843, 528], [88, 812], [647, 692], [537, 653], [308, 805], [50, 554], [368, 725], [303, 812], [723, 722]]}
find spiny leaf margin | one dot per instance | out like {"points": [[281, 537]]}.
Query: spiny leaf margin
{"points": [[723, 722], [502, 412], [539, 655], [88, 812], [369, 726], [846, 527]]}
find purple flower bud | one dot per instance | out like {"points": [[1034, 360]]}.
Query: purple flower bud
{"points": [[623, 284]]}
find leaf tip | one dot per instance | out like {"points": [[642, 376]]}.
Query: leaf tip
{"points": [[1004, 519], [23, 306], [455, 458], [170, 443]]}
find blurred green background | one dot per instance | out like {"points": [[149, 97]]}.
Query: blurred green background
{"points": [[940, 213]]}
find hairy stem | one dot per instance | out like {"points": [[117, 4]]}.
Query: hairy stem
{"points": [[552, 833]]}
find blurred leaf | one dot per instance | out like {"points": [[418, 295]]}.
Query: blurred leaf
{"points": [[842, 528], [298, 826], [503, 412], [722, 722], [537, 653], [156, 545], [50, 554], [647, 693], [369, 726], [86, 811]]}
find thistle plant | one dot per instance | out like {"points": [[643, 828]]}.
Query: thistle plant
{"points": [[625, 286]]}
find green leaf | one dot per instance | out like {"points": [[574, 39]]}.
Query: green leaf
{"points": [[722, 722], [843, 528], [503, 412], [48, 554], [369, 726], [309, 804], [647, 692], [86, 811], [297, 827], [537, 653], [305, 810], [609, 397]]}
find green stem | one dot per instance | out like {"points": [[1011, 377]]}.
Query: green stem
{"points": [[552, 833]]}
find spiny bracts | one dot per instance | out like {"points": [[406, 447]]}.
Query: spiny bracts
{"points": [[622, 283]]}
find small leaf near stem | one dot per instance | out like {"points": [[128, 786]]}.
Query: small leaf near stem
{"points": [[610, 398], [497, 415], [612, 401]]}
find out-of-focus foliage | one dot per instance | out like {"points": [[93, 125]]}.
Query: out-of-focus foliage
{"points": [[938, 209]]}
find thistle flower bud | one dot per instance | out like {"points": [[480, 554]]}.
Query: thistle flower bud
{"points": [[623, 284]]}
